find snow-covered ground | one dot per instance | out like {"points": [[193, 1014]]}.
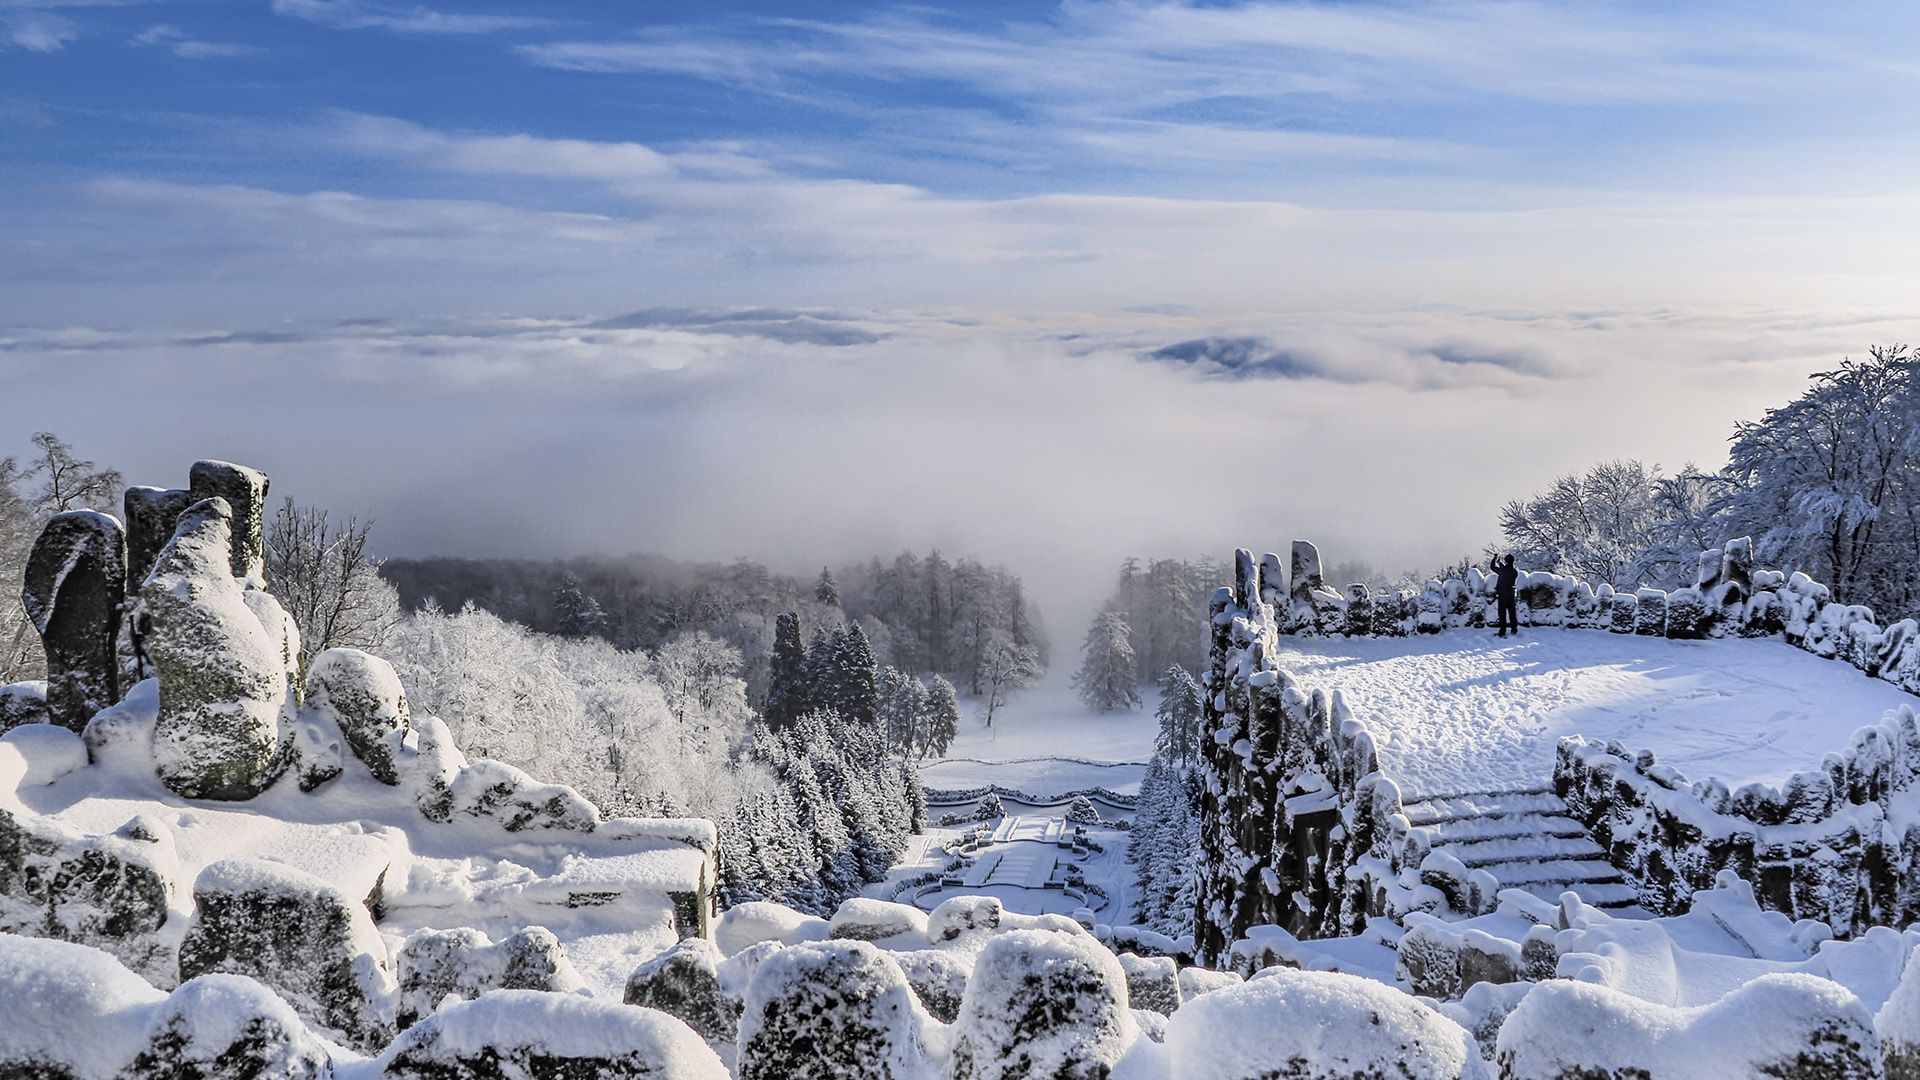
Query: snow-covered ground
{"points": [[1046, 742], [1465, 711]]}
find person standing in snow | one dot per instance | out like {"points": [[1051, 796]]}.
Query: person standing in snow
{"points": [[1505, 578]]}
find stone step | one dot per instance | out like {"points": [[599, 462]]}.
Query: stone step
{"points": [[1440, 810], [1522, 848], [1504, 826], [1612, 895], [1541, 871]]}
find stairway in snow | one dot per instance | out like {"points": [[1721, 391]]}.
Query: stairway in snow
{"points": [[1526, 840]]}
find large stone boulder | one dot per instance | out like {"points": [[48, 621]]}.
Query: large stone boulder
{"points": [[527, 1035], [225, 1027], [518, 802], [685, 982], [151, 515], [1316, 1025], [1153, 982], [466, 963], [314, 945], [76, 580], [836, 1010], [362, 695], [1778, 1025], [224, 691], [245, 491], [1043, 1005]]}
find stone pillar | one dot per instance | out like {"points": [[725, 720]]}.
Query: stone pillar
{"points": [[76, 579], [1306, 572], [246, 493], [223, 683], [151, 514]]}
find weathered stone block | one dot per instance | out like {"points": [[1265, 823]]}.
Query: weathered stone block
{"points": [[684, 981], [435, 963], [1153, 983], [312, 944], [151, 516], [527, 1035], [1044, 1006], [1622, 613], [1650, 613], [839, 1010], [23, 703], [76, 580], [225, 1027]]}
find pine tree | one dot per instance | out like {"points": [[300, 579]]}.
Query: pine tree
{"points": [[1182, 708], [826, 590], [575, 614], [788, 690], [852, 689], [1106, 680], [942, 718]]}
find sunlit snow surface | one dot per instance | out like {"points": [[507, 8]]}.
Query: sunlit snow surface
{"points": [[1465, 711]]}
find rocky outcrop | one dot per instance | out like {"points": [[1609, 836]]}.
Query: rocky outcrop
{"points": [[685, 982], [839, 1010], [76, 580], [224, 1027], [224, 692], [524, 1033]]}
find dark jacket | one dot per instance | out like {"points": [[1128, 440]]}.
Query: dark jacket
{"points": [[1506, 577]]}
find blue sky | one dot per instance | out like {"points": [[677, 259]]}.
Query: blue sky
{"points": [[845, 218]]}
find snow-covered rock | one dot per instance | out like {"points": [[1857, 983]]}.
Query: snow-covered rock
{"points": [[1781, 1025], [23, 703], [834, 1009], [496, 790], [861, 918], [1153, 983], [434, 963], [1043, 1004], [70, 1011], [223, 682], [245, 493], [744, 925], [361, 694], [524, 1033], [1315, 1025], [76, 579], [939, 978], [312, 943], [685, 982], [226, 1027]]}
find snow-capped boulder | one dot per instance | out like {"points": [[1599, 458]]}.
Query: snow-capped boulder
{"points": [[1316, 1025], [111, 891], [23, 703], [313, 944], [685, 982], [362, 695], [151, 514], [1650, 613], [1043, 1005], [748, 924], [120, 739], [939, 979], [1688, 615], [1195, 981], [960, 915], [524, 1033], [47, 751], [76, 579], [1153, 982], [862, 918], [1622, 613], [1780, 1024], [434, 963], [834, 1009], [245, 493], [226, 1027], [223, 683], [429, 769], [70, 1011], [496, 790]]}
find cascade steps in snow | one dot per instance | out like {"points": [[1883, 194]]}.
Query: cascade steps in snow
{"points": [[1527, 840]]}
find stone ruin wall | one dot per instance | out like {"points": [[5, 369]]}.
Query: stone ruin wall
{"points": [[1301, 830]]}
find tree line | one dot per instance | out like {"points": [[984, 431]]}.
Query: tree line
{"points": [[1827, 484]]}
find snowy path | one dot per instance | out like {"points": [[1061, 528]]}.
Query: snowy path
{"points": [[1464, 711]]}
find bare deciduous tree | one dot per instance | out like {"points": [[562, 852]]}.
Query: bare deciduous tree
{"points": [[328, 582]]}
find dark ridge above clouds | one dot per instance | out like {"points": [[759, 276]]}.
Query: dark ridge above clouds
{"points": [[1241, 358], [774, 324]]}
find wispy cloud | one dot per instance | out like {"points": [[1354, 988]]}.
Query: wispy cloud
{"points": [[371, 15], [516, 155], [39, 31], [176, 41]]}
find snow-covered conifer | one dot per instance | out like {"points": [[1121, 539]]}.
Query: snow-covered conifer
{"points": [[788, 690], [942, 719], [575, 614], [1181, 710], [1106, 677]]}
